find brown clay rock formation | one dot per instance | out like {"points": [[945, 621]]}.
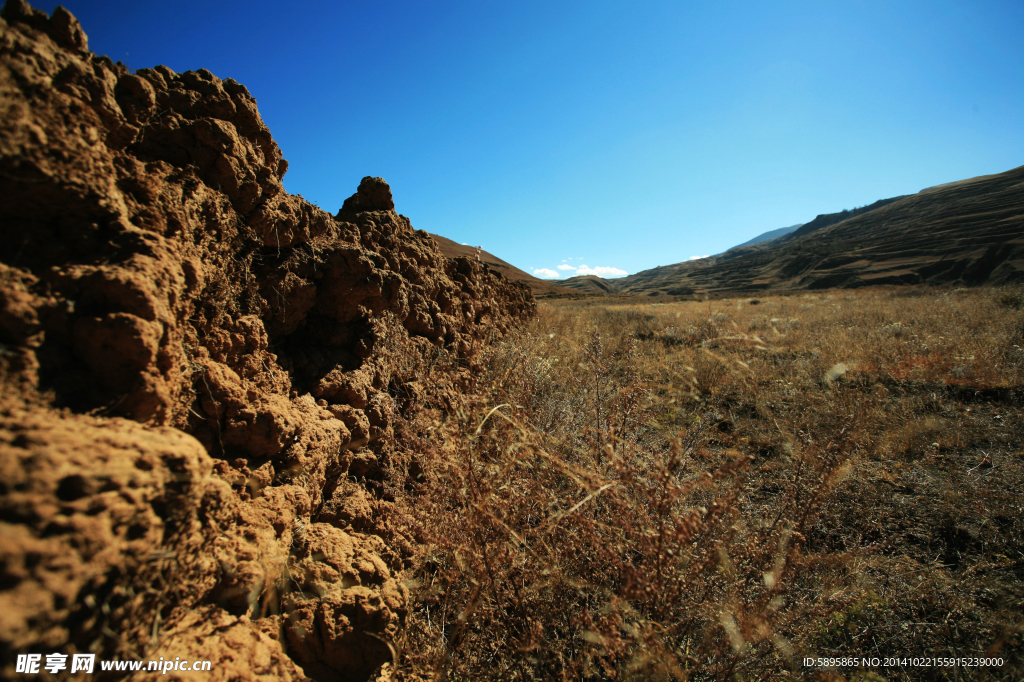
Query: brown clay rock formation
{"points": [[201, 374]]}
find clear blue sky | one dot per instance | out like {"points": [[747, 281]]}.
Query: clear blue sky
{"points": [[616, 135]]}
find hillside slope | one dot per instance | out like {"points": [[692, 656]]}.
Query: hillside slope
{"points": [[968, 232], [539, 287], [201, 376], [826, 219]]}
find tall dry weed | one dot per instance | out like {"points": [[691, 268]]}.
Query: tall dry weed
{"points": [[705, 490], [567, 533]]}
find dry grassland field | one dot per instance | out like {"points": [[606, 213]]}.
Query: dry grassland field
{"points": [[722, 489]]}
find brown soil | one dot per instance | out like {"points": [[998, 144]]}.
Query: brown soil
{"points": [[201, 375]]}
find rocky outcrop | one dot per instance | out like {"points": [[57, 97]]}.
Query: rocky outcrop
{"points": [[201, 374]]}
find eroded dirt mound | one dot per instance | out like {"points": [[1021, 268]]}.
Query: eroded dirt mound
{"points": [[202, 373]]}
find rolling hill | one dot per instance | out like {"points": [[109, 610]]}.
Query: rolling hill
{"points": [[591, 284]]}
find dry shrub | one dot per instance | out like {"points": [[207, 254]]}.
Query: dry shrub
{"points": [[709, 370], [1009, 298], [597, 546], [917, 437]]}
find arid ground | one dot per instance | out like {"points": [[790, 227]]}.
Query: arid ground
{"points": [[717, 490], [295, 445]]}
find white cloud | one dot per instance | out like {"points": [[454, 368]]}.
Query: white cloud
{"points": [[600, 271], [545, 272], [698, 257], [566, 267]]}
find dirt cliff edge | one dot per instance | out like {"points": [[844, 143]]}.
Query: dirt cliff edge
{"points": [[201, 375]]}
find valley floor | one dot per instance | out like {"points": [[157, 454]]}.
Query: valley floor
{"points": [[723, 489]]}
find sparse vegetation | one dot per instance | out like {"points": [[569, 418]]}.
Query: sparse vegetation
{"points": [[1009, 298], [715, 490]]}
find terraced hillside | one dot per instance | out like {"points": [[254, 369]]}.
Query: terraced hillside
{"points": [[969, 232]]}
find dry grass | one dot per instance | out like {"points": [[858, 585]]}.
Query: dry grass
{"points": [[715, 490]]}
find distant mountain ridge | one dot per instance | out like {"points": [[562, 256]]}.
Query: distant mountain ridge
{"points": [[768, 236], [968, 231]]}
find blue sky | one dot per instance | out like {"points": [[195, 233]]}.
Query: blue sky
{"points": [[620, 136]]}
